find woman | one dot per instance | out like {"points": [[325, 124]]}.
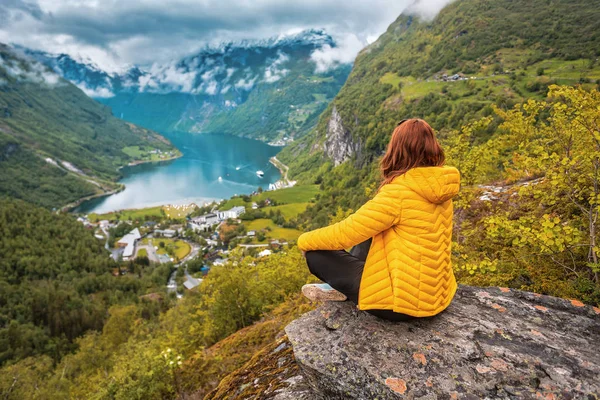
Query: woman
{"points": [[400, 267]]}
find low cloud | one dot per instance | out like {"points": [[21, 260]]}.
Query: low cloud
{"points": [[427, 9], [276, 71], [169, 77], [114, 33], [99, 92], [29, 71], [344, 52], [246, 83]]}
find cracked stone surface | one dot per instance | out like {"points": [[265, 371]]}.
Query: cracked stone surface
{"points": [[272, 374], [491, 343], [339, 145]]}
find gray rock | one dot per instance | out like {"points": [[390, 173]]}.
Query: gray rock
{"points": [[339, 145], [490, 343]]}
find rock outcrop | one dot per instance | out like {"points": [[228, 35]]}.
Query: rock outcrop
{"points": [[339, 145], [491, 343]]}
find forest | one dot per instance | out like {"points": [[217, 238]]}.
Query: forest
{"points": [[57, 283]]}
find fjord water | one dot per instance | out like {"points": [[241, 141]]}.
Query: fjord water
{"points": [[195, 176]]}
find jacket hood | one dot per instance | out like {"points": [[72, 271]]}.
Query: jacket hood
{"points": [[436, 184]]}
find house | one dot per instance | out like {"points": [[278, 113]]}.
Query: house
{"points": [[265, 253], [251, 233], [220, 261], [128, 241], [164, 258], [254, 206], [233, 213], [212, 243], [192, 283], [168, 233], [203, 222]]}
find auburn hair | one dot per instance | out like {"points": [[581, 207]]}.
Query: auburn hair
{"points": [[413, 144]]}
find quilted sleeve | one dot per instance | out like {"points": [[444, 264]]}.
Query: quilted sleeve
{"points": [[373, 217]]}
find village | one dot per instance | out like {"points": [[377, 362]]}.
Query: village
{"points": [[258, 224]]}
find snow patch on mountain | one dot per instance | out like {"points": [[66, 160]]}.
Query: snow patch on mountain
{"points": [[212, 71]]}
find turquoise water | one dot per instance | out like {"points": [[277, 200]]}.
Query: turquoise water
{"points": [[195, 176]]}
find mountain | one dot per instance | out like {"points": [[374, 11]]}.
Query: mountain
{"points": [[450, 71], [525, 215], [56, 144], [270, 89]]}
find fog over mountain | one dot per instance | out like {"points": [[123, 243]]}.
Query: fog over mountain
{"points": [[115, 34], [268, 89]]}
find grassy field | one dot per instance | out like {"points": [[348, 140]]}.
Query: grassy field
{"points": [[179, 211], [293, 195], [391, 79], [486, 86], [233, 202], [289, 211], [129, 215], [156, 213], [275, 232], [144, 153], [296, 194], [177, 249]]}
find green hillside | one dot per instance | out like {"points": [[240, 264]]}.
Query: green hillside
{"points": [[505, 53], [513, 49], [57, 144], [290, 107]]}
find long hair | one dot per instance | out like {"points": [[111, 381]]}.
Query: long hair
{"points": [[413, 144]]}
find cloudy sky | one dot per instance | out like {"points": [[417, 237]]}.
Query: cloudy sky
{"points": [[115, 33]]}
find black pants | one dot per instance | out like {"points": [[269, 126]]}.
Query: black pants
{"points": [[343, 271]]}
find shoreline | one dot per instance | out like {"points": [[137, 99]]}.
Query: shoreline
{"points": [[68, 208], [283, 169], [140, 162], [283, 181]]}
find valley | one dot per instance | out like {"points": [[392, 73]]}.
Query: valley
{"points": [[189, 181], [213, 167]]}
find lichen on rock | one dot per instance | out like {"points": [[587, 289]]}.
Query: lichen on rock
{"points": [[490, 343]]}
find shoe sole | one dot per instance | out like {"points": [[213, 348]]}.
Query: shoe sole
{"points": [[315, 293]]}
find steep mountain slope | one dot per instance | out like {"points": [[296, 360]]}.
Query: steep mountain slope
{"points": [[474, 54], [57, 144], [267, 89], [525, 216]]}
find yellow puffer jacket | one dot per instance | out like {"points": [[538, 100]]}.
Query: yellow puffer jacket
{"points": [[408, 268]]}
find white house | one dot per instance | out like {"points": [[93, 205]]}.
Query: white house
{"points": [[234, 213], [168, 233], [265, 253], [204, 222], [128, 241]]}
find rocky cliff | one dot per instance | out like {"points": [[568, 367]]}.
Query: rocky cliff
{"points": [[339, 145], [492, 343]]}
